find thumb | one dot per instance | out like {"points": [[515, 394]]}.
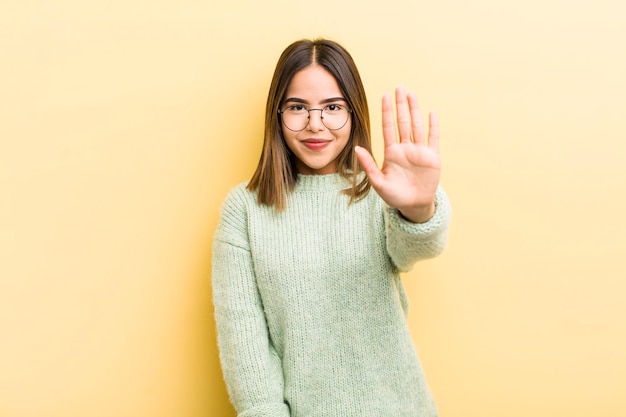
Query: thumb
{"points": [[368, 164]]}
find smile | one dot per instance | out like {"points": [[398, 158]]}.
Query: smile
{"points": [[315, 144]]}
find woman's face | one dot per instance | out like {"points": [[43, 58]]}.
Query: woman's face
{"points": [[316, 147]]}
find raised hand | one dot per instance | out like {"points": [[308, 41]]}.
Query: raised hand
{"points": [[411, 167]]}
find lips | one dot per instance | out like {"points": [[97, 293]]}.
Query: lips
{"points": [[315, 144]]}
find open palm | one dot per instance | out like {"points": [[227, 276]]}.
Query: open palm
{"points": [[411, 168]]}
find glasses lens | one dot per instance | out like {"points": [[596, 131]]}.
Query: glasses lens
{"points": [[295, 117], [334, 116]]}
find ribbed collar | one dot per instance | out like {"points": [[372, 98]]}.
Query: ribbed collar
{"points": [[321, 182]]}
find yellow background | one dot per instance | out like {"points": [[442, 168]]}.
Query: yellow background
{"points": [[123, 124]]}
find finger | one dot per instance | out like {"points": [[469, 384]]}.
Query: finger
{"points": [[404, 116], [369, 165], [389, 127], [433, 132], [417, 123]]}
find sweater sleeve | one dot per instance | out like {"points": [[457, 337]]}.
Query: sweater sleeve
{"points": [[252, 369], [409, 242]]}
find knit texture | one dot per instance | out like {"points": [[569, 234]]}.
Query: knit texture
{"points": [[309, 306]]}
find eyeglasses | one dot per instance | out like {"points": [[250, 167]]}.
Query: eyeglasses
{"points": [[296, 117]]}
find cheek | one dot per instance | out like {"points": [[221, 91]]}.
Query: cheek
{"points": [[285, 133], [288, 138], [346, 131]]}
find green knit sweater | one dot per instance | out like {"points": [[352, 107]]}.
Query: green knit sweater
{"points": [[310, 309]]}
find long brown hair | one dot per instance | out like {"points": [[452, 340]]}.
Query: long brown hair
{"points": [[276, 173]]}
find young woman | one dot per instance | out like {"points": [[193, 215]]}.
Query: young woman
{"points": [[310, 309]]}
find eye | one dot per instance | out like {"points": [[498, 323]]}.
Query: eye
{"points": [[295, 108], [333, 108]]}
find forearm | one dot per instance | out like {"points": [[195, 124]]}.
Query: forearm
{"points": [[252, 369], [409, 242]]}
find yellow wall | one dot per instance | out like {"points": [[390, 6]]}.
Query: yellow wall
{"points": [[124, 123]]}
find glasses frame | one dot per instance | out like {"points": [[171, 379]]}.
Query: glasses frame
{"points": [[282, 119]]}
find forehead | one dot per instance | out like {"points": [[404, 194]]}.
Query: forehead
{"points": [[313, 84]]}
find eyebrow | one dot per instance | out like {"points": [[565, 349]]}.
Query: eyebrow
{"points": [[325, 101]]}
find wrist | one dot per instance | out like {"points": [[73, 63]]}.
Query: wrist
{"points": [[418, 214]]}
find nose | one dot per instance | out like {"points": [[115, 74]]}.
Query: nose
{"points": [[315, 120]]}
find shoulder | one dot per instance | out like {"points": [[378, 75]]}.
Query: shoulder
{"points": [[233, 223], [238, 197]]}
